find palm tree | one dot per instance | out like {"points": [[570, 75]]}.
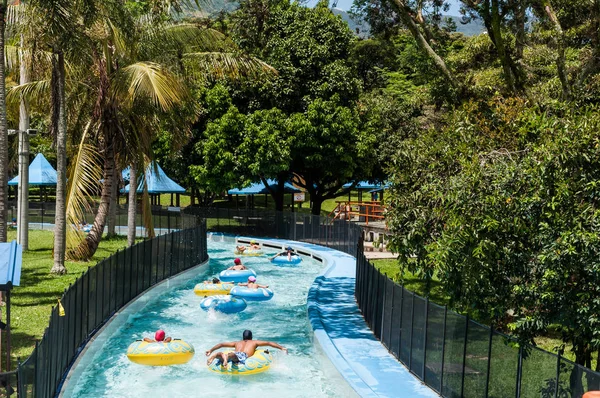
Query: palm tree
{"points": [[3, 131], [142, 90]]}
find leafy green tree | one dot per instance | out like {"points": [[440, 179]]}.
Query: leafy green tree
{"points": [[309, 47], [501, 208], [239, 149], [331, 147]]}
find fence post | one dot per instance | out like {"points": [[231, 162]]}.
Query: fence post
{"points": [[401, 314], [391, 316], [412, 330], [489, 365], [425, 338], [519, 371], [443, 351], [464, 364], [87, 291], [558, 358]]}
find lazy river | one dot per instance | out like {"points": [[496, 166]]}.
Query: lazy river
{"points": [[104, 370]]}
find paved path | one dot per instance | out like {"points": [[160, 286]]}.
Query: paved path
{"points": [[343, 334]]}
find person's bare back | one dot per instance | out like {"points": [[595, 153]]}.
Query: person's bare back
{"points": [[246, 346]]}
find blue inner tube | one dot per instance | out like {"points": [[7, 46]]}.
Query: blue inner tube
{"points": [[236, 276], [283, 260], [260, 294], [226, 304]]}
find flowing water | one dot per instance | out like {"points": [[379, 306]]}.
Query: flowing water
{"points": [[305, 372]]}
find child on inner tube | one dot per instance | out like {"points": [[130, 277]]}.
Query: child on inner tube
{"points": [[159, 337], [288, 251], [238, 266], [252, 283]]}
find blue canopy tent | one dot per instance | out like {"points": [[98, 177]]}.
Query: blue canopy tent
{"points": [[157, 181], [370, 187], [259, 188], [41, 173], [11, 258]]}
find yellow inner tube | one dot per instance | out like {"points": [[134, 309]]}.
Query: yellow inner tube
{"points": [[175, 352], [247, 252], [211, 289], [257, 363]]}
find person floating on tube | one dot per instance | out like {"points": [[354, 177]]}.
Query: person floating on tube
{"points": [[288, 252]]}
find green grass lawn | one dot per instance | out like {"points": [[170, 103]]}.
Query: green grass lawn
{"points": [[40, 291], [412, 282]]}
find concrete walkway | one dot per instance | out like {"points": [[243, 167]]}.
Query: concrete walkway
{"points": [[343, 334]]}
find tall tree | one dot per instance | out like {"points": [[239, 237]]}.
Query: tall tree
{"points": [[3, 131]]}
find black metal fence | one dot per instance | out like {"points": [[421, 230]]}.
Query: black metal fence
{"points": [[96, 296], [456, 356], [165, 219], [337, 234], [452, 354]]}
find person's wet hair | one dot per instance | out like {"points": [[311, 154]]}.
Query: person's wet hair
{"points": [[216, 280], [247, 335]]}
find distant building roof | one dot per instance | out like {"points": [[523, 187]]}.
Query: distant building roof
{"points": [[41, 172], [157, 180], [367, 185], [260, 188], [11, 258]]}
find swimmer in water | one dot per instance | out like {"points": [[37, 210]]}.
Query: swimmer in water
{"points": [[252, 284], [242, 350], [159, 337], [238, 266]]}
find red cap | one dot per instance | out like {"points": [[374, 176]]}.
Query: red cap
{"points": [[159, 335], [237, 261]]}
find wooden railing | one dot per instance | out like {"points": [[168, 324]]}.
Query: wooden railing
{"points": [[347, 210]]}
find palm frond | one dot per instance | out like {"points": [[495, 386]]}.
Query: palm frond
{"points": [[193, 37], [117, 37], [84, 177], [218, 65], [32, 91], [150, 81]]}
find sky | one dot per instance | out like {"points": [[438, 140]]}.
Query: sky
{"points": [[347, 4]]}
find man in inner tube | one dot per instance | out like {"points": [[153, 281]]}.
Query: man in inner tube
{"points": [[159, 337], [288, 252], [242, 350]]}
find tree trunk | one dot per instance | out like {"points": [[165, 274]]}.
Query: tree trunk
{"points": [[277, 194], [559, 43], [23, 196], [132, 206], [3, 133], [317, 201], [112, 210], [59, 125], [520, 10], [405, 14], [509, 77], [91, 242]]}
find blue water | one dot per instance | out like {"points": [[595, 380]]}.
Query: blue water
{"points": [[302, 373]]}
